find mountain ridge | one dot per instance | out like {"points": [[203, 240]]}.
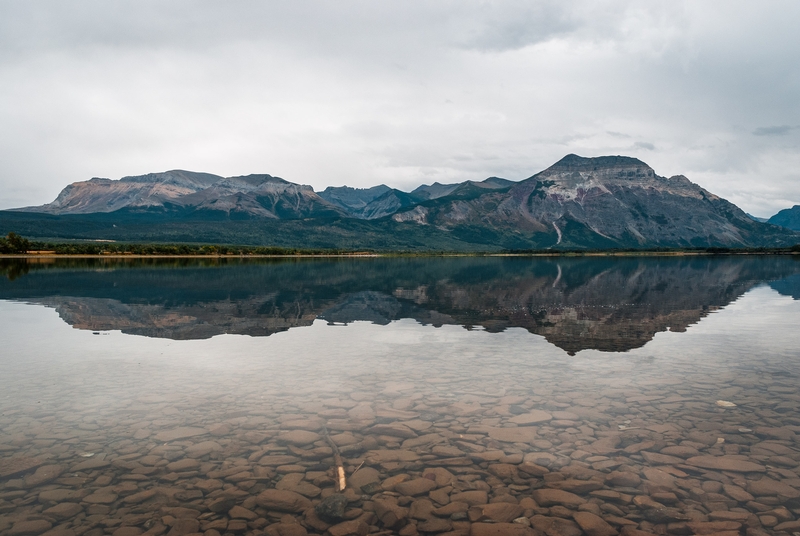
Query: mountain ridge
{"points": [[603, 202], [788, 218]]}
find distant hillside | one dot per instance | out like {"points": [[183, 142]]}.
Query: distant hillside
{"points": [[756, 218], [788, 218], [578, 203]]}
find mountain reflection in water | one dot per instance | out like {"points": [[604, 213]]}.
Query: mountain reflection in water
{"points": [[605, 303]]}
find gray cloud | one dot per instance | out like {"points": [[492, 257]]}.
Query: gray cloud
{"points": [[772, 131], [363, 92]]}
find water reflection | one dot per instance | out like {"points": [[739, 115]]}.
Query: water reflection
{"points": [[608, 304]]}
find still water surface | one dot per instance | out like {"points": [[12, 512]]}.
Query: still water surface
{"points": [[466, 396]]}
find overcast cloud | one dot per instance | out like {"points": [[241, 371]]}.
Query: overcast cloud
{"points": [[401, 93]]}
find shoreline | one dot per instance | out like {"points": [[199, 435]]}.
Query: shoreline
{"points": [[118, 256]]}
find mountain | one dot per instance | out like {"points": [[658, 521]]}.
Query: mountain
{"points": [[605, 202], [186, 192], [788, 218], [368, 203], [578, 203], [381, 201], [437, 190], [352, 200]]}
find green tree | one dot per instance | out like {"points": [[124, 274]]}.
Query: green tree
{"points": [[13, 243]]}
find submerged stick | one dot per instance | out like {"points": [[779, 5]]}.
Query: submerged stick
{"points": [[341, 482]]}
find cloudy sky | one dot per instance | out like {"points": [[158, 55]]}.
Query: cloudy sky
{"points": [[401, 93]]}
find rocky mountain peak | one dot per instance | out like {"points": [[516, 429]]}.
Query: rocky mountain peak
{"points": [[573, 162]]}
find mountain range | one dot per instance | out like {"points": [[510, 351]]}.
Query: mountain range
{"points": [[577, 203]]}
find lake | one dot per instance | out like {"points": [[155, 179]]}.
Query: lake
{"points": [[471, 395]]}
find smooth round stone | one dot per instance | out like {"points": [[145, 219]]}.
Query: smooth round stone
{"points": [[26, 528]]}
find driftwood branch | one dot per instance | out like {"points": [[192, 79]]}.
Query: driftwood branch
{"points": [[341, 482]]}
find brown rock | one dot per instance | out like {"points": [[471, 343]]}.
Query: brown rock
{"points": [[726, 463], [60, 495], [556, 526], [275, 460], [736, 493], [43, 475], [180, 433], [788, 526], [680, 451], [222, 504], [500, 529], [184, 526], [364, 477], [355, 527], [417, 486], [498, 512], [298, 437], [552, 497], [450, 509], [376, 457], [524, 434], [533, 417], [295, 482], [26, 528], [100, 497], [63, 511], [237, 512], [283, 501], [660, 459], [390, 513], [593, 525], [623, 479], [725, 515], [503, 470], [127, 531], [186, 464], [440, 475], [435, 525], [421, 509], [394, 429], [776, 433], [140, 497], [198, 450], [769, 487], [17, 465], [606, 445], [580, 487], [89, 465], [240, 525], [712, 527], [533, 469], [632, 531], [472, 497], [658, 477]]}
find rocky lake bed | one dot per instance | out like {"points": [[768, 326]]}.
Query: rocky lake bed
{"points": [[660, 457]]}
